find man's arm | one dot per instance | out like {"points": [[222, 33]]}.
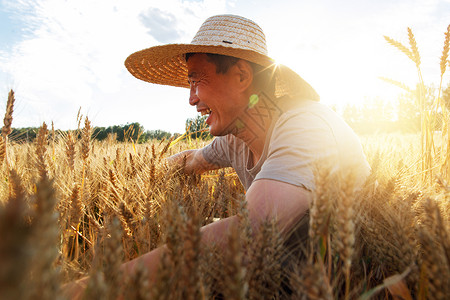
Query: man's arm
{"points": [[266, 199], [286, 203], [195, 162]]}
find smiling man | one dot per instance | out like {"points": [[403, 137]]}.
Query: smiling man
{"points": [[268, 123]]}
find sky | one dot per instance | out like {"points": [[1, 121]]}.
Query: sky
{"points": [[62, 56]]}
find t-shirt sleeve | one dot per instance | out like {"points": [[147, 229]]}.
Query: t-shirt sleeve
{"points": [[298, 144], [217, 152]]}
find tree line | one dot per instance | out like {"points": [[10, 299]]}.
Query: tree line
{"points": [[130, 132], [372, 116], [196, 128]]}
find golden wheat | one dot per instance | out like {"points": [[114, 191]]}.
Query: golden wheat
{"points": [[89, 206]]}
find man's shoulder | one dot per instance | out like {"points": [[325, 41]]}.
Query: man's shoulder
{"points": [[307, 114], [311, 119], [307, 107]]}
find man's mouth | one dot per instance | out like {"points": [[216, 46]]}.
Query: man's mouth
{"points": [[205, 111]]}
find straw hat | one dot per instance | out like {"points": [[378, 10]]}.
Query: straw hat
{"points": [[224, 34]]}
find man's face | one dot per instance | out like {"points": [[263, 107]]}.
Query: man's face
{"points": [[215, 94]]}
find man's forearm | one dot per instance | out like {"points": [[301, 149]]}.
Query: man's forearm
{"points": [[176, 160], [191, 161]]}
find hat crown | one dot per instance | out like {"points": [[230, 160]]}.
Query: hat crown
{"points": [[233, 32], [225, 35]]}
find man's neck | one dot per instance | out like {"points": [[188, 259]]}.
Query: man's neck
{"points": [[255, 139], [256, 122]]}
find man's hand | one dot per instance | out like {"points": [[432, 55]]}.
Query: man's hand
{"points": [[193, 161]]}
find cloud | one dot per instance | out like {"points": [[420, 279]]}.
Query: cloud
{"points": [[72, 54], [162, 25]]}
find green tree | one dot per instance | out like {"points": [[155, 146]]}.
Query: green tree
{"points": [[197, 128], [157, 134]]}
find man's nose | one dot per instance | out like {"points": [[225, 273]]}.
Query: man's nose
{"points": [[193, 99]]}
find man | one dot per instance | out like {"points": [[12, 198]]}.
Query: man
{"points": [[267, 121], [269, 125]]}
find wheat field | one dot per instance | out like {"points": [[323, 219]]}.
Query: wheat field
{"points": [[72, 207]]}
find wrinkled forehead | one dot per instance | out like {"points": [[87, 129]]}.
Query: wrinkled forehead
{"points": [[199, 62]]}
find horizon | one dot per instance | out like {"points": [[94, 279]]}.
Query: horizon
{"points": [[58, 57]]}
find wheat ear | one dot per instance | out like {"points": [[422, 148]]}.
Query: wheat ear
{"points": [[41, 149], [191, 280], [2, 149], [113, 257], [400, 47], [137, 284], [70, 150], [436, 274], [435, 270], [310, 282], [414, 49], [6, 130], [168, 276], [398, 84], [76, 207], [86, 140], [264, 270], [7, 120], [320, 209], [444, 56]]}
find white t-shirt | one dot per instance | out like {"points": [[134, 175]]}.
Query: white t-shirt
{"points": [[308, 136]]}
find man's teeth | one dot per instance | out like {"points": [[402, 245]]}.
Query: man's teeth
{"points": [[205, 112]]}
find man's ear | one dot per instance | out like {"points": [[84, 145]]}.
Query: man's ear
{"points": [[245, 73]]}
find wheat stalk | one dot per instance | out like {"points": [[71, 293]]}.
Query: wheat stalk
{"points": [[234, 285], [345, 226], [45, 276], [15, 259], [400, 47], [428, 120], [444, 105]]}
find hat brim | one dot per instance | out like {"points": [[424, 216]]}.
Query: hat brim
{"points": [[166, 65]]}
